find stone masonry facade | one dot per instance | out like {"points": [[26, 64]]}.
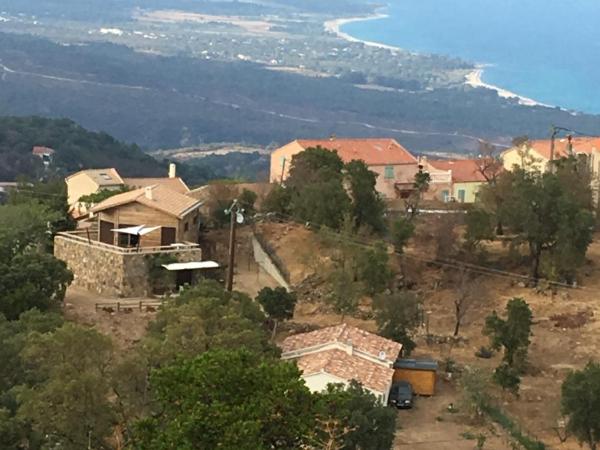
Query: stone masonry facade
{"points": [[110, 272]]}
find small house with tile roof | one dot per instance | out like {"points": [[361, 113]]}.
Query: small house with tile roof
{"points": [[171, 216], [466, 178], [395, 165], [343, 353]]}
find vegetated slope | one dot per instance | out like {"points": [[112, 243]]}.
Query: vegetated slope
{"points": [[177, 101], [75, 147]]}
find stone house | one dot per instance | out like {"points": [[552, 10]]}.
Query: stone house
{"points": [[394, 165]]}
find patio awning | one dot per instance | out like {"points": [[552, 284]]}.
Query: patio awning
{"points": [[139, 230], [195, 265]]}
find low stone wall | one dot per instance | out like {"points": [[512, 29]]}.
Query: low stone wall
{"points": [[111, 273]]}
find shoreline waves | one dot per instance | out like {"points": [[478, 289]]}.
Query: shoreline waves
{"points": [[473, 79]]}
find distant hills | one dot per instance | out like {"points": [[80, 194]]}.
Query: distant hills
{"points": [[168, 102], [75, 147]]}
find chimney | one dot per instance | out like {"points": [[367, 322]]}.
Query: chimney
{"points": [[148, 192], [349, 347], [172, 170]]}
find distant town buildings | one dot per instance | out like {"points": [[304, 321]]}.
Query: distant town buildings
{"points": [[46, 154], [396, 167]]}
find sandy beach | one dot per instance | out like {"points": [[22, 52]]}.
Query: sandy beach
{"points": [[473, 79], [334, 26]]}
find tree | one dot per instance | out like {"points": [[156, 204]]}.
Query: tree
{"points": [[51, 194], [278, 200], [549, 212], [278, 303], [350, 417], [32, 280], [345, 293], [317, 191], [68, 401], [507, 377], [204, 318], [227, 399], [373, 269], [420, 186], [475, 384], [247, 199], [402, 230], [396, 315], [101, 195], [368, 207], [581, 403], [25, 226], [466, 292], [512, 334]]}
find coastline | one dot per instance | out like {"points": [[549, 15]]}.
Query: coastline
{"points": [[473, 79]]}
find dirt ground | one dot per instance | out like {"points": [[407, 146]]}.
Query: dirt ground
{"points": [[126, 328], [566, 335]]}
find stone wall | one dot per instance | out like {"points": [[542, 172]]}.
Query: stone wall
{"points": [[108, 272], [264, 260]]}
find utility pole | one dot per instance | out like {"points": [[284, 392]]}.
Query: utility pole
{"points": [[235, 213], [552, 143]]}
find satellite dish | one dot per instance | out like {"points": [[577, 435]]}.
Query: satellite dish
{"points": [[239, 218]]}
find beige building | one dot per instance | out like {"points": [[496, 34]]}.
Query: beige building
{"points": [[466, 178], [535, 155], [341, 354], [92, 181], [394, 165]]}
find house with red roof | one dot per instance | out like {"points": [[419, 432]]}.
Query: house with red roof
{"points": [[466, 177], [44, 153], [536, 154], [341, 354], [395, 165]]}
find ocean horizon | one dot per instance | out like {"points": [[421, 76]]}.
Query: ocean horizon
{"points": [[545, 50]]}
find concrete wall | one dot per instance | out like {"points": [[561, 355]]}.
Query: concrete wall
{"points": [[263, 259], [109, 272]]}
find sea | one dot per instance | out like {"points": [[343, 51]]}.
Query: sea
{"points": [[546, 50]]}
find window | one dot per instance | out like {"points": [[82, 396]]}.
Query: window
{"points": [[195, 220], [282, 159], [389, 172], [186, 226], [461, 195], [446, 195]]}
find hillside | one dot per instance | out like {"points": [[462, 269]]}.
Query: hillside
{"points": [[160, 101], [75, 147]]}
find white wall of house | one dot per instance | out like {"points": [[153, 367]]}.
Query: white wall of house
{"points": [[318, 382]]}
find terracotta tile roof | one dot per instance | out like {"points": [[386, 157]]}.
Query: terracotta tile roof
{"points": [[580, 145], [374, 152], [163, 199], [102, 177], [175, 184], [39, 150], [360, 340], [347, 367], [463, 170]]}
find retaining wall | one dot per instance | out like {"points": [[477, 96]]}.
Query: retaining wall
{"points": [[109, 272]]}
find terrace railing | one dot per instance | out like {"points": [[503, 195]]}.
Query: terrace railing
{"points": [[82, 238]]}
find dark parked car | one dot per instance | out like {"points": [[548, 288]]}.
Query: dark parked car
{"points": [[401, 395]]}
